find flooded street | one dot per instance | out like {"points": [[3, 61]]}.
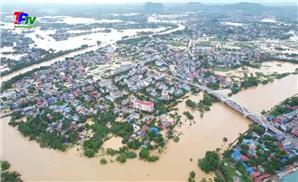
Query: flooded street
{"points": [[37, 164]]}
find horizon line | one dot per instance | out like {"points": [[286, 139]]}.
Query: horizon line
{"points": [[145, 1]]}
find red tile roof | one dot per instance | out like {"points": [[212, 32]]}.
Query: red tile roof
{"points": [[146, 103]]}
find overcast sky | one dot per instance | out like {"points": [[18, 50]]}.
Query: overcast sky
{"points": [[142, 1]]}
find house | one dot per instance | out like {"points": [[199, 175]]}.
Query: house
{"points": [[295, 131], [143, 105], [28, 109], [165, 95]]}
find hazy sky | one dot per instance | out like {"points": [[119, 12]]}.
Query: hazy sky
{"points": [[142, 1]]}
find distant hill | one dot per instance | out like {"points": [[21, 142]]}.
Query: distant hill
{"points": [[153, 7], [245, 6], [186, 7], [193, 6]]}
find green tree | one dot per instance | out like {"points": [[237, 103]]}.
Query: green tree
{"points": [[188, 115], [122, 129], [92, 146], [192, 174], [209, 162], [207, 100], [11, 177], [121, 158], [258, 129], [144, 153], [5, 165], [190, 103], [134, 144], [131, 154], [152, 158]]}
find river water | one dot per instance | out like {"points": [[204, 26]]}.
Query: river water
{"points": [[293, 177], [37, 164]]}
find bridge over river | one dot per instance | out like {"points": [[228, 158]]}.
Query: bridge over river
{"points": [[256, 118]]}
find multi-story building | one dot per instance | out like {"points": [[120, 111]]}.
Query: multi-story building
{"points": [[143, 105]]}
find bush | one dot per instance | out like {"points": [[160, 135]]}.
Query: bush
{"points": [[121, 158], [5, 165], [191, 103], [153, 158], [176, 139], [191, 179], [207, 100], [225, 139], [111, 152], [192, 174], [11, 177], [131, 154], [103, 161], [134, 144], [144, 153], [123, 154], [188, 115]]}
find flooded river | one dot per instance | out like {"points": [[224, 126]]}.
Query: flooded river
{"points": [[37, 164]]}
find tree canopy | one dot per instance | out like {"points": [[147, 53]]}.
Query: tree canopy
{"points": [[209, 162]]}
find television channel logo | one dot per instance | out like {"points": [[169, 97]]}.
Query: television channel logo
{"points": [[23, 20]]}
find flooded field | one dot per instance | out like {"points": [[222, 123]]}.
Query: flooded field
{"points": [[266, 68], [44, 41]]}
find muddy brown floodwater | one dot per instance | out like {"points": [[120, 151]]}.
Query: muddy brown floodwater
{"points": [[38, 164]]}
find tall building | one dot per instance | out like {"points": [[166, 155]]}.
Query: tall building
{"points": [[143, 105]]}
